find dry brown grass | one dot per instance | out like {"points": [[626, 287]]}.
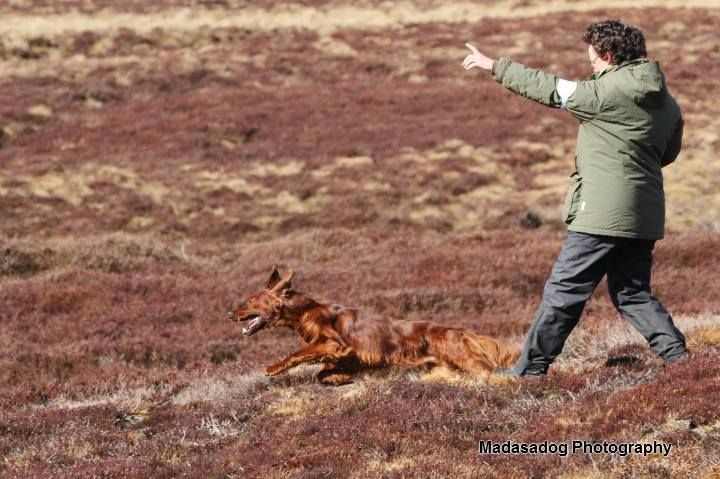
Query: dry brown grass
{"points": [[325, 20]]}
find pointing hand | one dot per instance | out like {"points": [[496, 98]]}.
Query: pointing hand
{"points": [[477, 59]]}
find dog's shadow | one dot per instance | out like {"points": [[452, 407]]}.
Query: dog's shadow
{"points": [[304, 375]]}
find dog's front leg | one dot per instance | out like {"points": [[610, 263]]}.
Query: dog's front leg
{"points": [[324, 351]]}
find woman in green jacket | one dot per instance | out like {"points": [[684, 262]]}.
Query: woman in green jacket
{"points": [[630, 128]]}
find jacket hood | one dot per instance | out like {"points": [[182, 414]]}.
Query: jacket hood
{"points": [[643, 81]]}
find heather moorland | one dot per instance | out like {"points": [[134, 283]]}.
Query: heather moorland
{"points": [[158, 158]]}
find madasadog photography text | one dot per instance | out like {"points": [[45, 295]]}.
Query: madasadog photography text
{"points": [[579, 446]]}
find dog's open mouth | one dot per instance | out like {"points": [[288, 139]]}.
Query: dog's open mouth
{"points": [[255, 325]]}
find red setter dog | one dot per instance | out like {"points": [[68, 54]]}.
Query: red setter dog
{"points": [[348, 342]]}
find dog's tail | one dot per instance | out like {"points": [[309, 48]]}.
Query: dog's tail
{"points": [[498, 353]]}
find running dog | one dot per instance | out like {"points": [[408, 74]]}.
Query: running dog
{"points": [[348, 342]]}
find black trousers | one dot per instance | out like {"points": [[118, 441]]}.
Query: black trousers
{"points": [[583, 261]]}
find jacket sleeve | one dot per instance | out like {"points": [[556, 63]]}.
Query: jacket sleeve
{"points": [[673, 148], [584, 101]]}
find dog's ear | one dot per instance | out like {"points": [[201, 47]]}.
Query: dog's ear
{"points": [[285, 283], [274, 278]]}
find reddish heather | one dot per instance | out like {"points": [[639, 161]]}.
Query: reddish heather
{"points": [[150, 180]]}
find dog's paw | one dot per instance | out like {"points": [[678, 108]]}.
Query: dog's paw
{"points": [[272, 371], [337, 381]]}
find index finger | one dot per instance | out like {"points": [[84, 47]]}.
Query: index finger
{"points": [[474, 50]]}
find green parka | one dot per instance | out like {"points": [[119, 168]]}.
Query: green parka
{"points": [[630, 127]]}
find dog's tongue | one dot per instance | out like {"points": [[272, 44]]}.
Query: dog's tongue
{"points": [[255, 324]]}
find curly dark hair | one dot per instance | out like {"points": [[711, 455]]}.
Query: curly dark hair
{"points": [[624, 42]]}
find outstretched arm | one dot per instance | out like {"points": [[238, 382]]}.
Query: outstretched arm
{"points": [[581, 99]]}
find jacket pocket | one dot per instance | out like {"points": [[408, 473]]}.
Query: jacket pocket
{"points": [[572, 199]]}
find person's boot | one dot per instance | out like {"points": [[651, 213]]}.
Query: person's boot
{"points": [[680, 358], [511, 373]]}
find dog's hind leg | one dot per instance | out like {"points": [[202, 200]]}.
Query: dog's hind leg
{"points": [[427, 363], [475, 365], [333, 376]]}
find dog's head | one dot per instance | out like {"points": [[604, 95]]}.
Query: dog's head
{"points": [[264, 309]]}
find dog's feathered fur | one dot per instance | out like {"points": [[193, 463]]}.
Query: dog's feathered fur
{"points": [[348, 342]]}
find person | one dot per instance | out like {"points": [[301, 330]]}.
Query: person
{"points": [[630, 127]]}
